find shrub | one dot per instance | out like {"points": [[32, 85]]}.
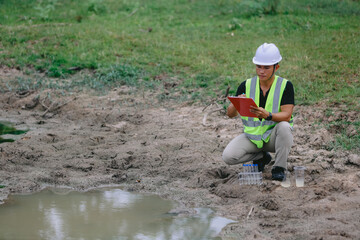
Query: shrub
{"points": [[97, 7], [249, 8]]}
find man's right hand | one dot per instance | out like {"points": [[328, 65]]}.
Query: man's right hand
{"points": [[231, 110]]}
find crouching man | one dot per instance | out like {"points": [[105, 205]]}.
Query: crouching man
{"points": [[271, 130]]}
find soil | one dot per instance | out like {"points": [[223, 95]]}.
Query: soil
{"points": [[142, 144]]}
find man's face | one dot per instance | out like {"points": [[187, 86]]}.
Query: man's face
{"points": [[264, 72]]}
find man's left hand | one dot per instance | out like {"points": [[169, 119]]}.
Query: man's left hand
{"points": [[259, 112]]}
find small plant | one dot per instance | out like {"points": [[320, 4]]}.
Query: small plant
{"points": [[249, 8], [119, 75], [6, 128], [44, 9], [270, 6], [97, 7], [235, 24]]}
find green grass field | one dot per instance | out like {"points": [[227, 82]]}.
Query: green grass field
{"points": [[198, 46]]}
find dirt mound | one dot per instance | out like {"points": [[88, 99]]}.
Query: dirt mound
{"points": [[86, 141]]}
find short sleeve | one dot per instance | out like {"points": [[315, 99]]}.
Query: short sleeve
{"points": [[288, 95], [241, 89]]}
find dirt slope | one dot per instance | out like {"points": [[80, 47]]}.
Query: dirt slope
{"points": [[87, 141]]}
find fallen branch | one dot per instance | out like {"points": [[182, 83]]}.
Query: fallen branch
{"points": [[215, 102], [250, 212], [43, 103], [133, 12], [208, 113], [47, 108], [212, 103], [226, 94], [52, 108]]}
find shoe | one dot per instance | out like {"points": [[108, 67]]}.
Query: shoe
{"points": [[263, 161], [278, 173]]}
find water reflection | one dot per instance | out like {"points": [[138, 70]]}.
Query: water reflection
{"points": [[54, 223], [102, 214]]}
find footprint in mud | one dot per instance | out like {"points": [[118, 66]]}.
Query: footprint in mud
{"points": [[270, 204], [219, 173], [213, 177], [223, 174]]}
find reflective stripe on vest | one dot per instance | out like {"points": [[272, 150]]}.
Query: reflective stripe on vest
{"points": [[259, 123], [259, 131]]}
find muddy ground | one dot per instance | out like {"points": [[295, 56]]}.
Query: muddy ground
{"points": [[174, 150]]}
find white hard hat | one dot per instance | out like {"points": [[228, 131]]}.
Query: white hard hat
{"points": [[267, 54]]}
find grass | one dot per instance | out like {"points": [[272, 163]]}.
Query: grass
{"points": [[202, 46], [345, 139]]}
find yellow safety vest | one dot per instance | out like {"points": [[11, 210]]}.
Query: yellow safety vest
{"points": [[258, 131]]}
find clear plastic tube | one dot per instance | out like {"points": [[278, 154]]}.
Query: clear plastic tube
{"points": [[248, 180], [250, 175]]}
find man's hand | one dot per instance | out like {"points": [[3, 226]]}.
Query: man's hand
{"points": [[231, 110], [259, 112]]}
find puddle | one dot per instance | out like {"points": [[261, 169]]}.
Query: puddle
{"points": [[103, 214]]}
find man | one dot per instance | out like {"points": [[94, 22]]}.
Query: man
{"points": [[271, 131]]}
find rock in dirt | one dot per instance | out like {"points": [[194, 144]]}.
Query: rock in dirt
{"points": [[354, 159]]}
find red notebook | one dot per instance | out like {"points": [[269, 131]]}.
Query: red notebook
{"points": [[242, 105]]}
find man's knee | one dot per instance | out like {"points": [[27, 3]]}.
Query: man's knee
{"points": [[284, 124], [229, 158], [284, 131], [284, 127]]}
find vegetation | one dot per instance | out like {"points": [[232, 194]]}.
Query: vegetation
{"points": [[342, 138], [201, 46], [6, 129]]}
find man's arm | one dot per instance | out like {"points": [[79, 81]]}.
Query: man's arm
{"points": [[284, 114], [231, 111]]}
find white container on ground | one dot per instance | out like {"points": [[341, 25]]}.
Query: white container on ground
{"points": [[299, 176], [286, 182]]}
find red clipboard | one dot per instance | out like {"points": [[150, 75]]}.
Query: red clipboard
{"points": [[242, 105]]}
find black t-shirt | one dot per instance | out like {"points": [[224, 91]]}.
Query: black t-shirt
{"points": [[287, 98]]}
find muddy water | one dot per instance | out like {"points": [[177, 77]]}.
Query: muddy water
{"points": [[102, 214]]}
